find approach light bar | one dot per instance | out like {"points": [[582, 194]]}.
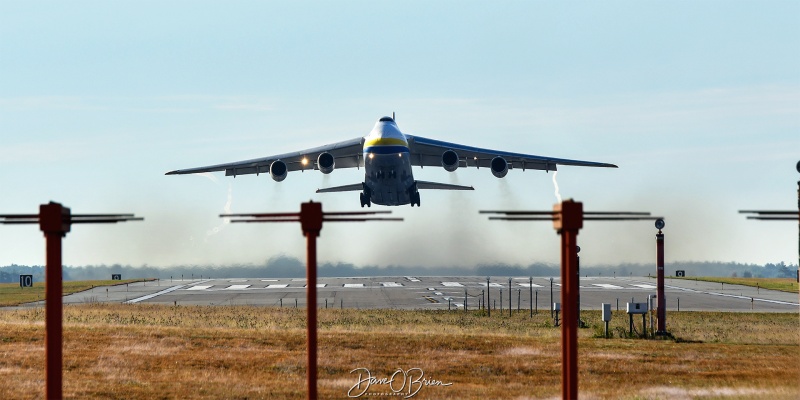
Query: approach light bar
{"points": [[772, 215]]}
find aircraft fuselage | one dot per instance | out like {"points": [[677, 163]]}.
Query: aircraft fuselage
{"points": [[388, 177]]}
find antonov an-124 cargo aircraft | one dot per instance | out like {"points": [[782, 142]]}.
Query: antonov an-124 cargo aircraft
{"points": [[387, 155]]}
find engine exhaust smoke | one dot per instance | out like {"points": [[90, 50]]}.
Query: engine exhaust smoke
{"points": [[555, 184], [227, 209]]}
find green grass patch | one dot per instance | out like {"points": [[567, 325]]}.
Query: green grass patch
{"points": [[783, 284], [11, 294]]}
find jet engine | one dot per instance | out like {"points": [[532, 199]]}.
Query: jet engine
{"points": [[326, 163], [499, 167], [278, 170], [450, 160]]}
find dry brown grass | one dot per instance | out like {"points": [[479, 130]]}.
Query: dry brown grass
{"points": [[146, 352]]}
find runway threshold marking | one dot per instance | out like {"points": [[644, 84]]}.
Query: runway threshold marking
{"points": [[527, 285], [199, 287], [391, 284], [353, 285], [237, 287], [645, 286], [278, 286], [607, 286], [452, 284]]}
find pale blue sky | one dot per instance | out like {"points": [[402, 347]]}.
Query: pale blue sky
{"points": [[697, 102]]}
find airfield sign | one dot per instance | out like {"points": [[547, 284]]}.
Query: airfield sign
{"points": [[26, 281]]}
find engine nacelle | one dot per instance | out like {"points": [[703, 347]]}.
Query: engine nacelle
{"points": [[499, 167], [326, 163], [450, 160], [278, 170]]}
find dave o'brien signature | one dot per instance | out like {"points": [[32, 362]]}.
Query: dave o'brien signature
{"points": [[408, 382]]}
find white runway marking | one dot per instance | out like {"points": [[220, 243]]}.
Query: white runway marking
{"points": [[452, 284], [299, 280], [391, 284], [237, 280], [237, 287], [643, 286], [269, 280], [493, 285], [200, 287], [150, 296], [607, 286], [319, 285], [353, 285], [529, 285], [278, 286], [412, 279]]}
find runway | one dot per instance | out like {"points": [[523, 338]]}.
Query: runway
{"points": [[420, 292]]}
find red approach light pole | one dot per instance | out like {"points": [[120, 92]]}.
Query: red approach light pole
{"points": [[568, 217], [55, 221], [311, 218], [661, 309]]}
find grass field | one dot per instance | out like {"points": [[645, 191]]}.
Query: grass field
{"points": [[240, 352], [12, 294], [783, 284]]}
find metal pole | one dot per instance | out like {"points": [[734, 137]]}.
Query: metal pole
{"points": [[54, 220], [661, 310], [489, 302], [551, 297], [578, 279], [311, 221], [568, 222], [509, 297], [531, 290], [54, 317]]}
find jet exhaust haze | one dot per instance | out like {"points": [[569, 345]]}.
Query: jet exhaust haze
{"points": [[555, 184]]}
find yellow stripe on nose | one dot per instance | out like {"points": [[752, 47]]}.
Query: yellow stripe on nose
{"points": [[386, 142]]}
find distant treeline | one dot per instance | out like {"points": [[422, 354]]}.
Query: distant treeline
{"points": [[287, 267]]}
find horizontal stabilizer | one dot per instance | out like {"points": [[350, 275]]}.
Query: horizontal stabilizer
{"points": [[441, 186], [346, 188]]}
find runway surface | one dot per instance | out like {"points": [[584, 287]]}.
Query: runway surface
{"points": [[420, 292]]}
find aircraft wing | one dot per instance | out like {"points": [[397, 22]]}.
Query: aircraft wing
{"points": [[347, 154], [428, 152]]}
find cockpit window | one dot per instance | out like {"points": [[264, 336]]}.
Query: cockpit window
{"points": [[386, 119]]}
